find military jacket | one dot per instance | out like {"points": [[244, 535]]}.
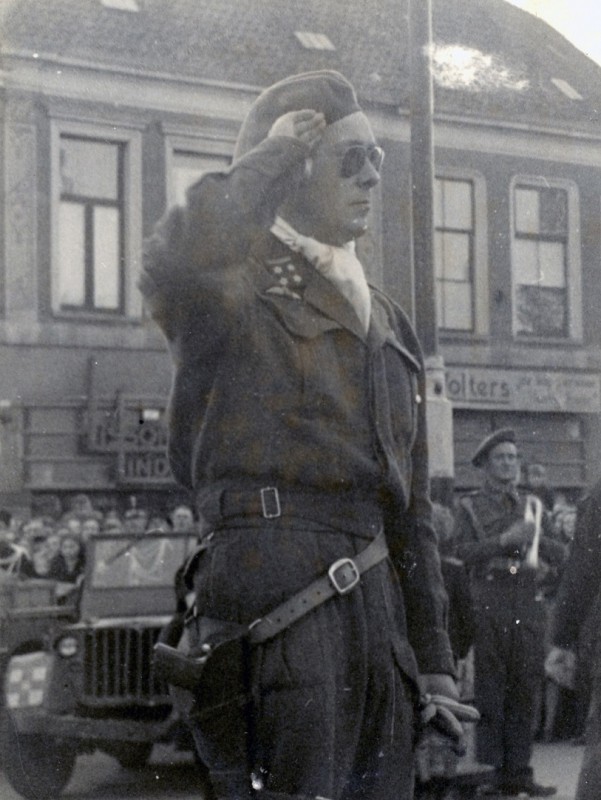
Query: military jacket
{"points": [[275, 383], [483, 517]]}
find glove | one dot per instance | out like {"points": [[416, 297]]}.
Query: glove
{"points": [[560, 667], [518, 536], [442, 711], [306, 125]]}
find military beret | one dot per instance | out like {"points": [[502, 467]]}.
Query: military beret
{"points": [[490, 441], [323, 90]]}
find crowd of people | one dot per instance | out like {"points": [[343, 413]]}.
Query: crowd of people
{"points": [[53, 546]]}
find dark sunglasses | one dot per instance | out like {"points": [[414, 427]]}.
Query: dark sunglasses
{"points": [[355, 158]]}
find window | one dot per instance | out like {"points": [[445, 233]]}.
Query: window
{"points": [[545, 264], [187, 167], [454, 253], [90, 229], [96, 238], [188, 154]]}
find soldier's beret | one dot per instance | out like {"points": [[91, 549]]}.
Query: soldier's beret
{"points": [[490, 441], [323, 90]]}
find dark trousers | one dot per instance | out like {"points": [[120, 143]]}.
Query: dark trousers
{"points": [[508, 660], [330, 711], [589, 781]]}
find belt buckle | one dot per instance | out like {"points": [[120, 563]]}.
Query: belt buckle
{"points": [[344, 582], [270, 502]]}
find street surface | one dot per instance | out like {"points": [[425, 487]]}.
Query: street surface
{"points": [[558, 764], [172, 775], [99, 777]]}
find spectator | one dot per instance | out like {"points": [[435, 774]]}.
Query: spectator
{"points": [[158, 523], [34, 528], [72, 522], [135, 520], [554, 703], [53, 541], [14, 560], [494, 538], [182, 519], [112, 523], [40, 561], [89, 528], [82, 508], [564, 522], [536, 483], [69, 564]]}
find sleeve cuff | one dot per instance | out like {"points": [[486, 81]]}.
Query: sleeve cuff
{"points": [[433, 653]]}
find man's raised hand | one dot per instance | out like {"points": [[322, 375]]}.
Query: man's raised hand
{"points": [[306, 125]]}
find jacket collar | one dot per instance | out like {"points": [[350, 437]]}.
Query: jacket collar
{"points": [[316, 290], [502, 491]]}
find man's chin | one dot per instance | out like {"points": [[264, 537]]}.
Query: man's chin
{"points": [[358, 228]]}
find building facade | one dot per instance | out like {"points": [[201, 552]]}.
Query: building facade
{"points": [[109, 109]]}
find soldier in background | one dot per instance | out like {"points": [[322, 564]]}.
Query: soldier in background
{"points": [[579, 588], [492, 539]]}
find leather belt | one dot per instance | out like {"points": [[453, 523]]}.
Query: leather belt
{"points": [[504, 564], [341, 578], [343, 510]]}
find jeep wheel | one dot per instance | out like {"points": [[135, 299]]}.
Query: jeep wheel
{"points": [[134, 755], [36, 767]]}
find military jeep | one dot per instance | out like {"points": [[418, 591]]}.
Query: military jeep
{"points": [[29, 609], [93, 685]]}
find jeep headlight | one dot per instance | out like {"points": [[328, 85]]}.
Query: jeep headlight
{"points": [[67, 647]]}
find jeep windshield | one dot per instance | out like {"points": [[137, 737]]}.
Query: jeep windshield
{"points": [[145, 560]]}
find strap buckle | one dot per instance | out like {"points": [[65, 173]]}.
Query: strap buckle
{"points": [[270, 502], [344, 575]]}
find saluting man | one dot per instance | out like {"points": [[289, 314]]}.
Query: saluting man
{"points": [[297, 418], [493, 537]]}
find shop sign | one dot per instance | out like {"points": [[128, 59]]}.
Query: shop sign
{"points": [[523, 390], [137, 437], [140, 467]]}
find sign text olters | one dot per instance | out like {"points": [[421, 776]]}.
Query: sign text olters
{"points": [[532, 390]]}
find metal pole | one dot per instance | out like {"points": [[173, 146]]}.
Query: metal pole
{"points": [[422, 173], [438, 407]]}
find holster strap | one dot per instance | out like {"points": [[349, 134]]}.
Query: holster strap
{"points": [[342, 576]]}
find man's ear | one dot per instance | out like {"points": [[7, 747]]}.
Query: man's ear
{"points": [[308, 167]]}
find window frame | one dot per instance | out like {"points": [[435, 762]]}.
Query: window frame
{"points": [[176, 140], [574, 323], [480, 277], [131, 222]]}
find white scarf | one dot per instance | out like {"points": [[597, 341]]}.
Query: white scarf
{"points": [[339, 265]]}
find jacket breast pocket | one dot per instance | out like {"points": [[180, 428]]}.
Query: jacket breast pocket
{"points": [[402, 370], [322, 364]]}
